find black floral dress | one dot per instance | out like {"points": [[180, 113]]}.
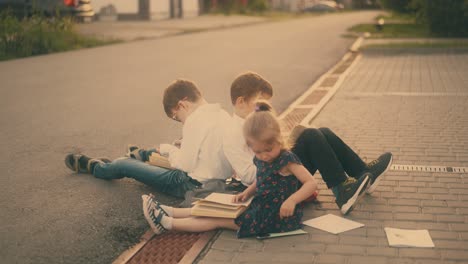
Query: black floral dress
{"points": [[272, 190]]}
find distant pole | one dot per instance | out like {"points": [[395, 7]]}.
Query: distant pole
{"points": [[201, 7], [144, 9], [181, 9], [171, 8]]}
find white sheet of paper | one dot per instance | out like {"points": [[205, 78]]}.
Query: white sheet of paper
{"points": [[408, 238], [333, 224]]}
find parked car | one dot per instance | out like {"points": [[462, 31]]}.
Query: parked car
{"points": [[323, 6]]}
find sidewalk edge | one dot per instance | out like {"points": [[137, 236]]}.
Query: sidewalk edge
{"points": [[354, 49]]}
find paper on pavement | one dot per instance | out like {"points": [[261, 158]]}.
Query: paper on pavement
{"points": [[333, 224], [408, 238]]}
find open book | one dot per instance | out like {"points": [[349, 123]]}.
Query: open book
{"points": [[157, 160], [219, 205]]}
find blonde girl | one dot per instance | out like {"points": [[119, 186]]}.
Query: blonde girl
{"points": [[281, 185]]}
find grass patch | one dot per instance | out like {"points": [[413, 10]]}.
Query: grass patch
{"points": [[38, 35], [399, 30]]}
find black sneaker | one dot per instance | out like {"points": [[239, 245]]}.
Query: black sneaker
{"points": [[377, 168], [133, 152], [81, 163], [350, 191], [77, 162]]}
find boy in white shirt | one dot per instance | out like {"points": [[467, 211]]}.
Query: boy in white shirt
{"points": [[246, 90], [199, 159]]}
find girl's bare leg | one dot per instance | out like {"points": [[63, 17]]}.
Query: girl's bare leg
{"points": [[201, 224], [181, 212]]}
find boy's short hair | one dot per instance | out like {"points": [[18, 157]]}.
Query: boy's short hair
{"points": [[248, 85], [179, 90]]}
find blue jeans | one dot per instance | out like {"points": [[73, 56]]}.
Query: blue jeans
{"points": [[172, 182]]}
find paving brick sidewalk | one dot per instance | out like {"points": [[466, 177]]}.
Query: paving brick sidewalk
{"points": [[415, 104]]}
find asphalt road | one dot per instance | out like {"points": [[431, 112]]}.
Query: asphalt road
{"points": [[100, 99]]}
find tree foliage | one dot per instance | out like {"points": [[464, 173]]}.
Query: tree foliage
{"points": [[400, 6], [448, 18]]}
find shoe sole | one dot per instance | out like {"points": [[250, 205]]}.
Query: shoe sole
{"points": [[75, 157], [349, 205], [127, 150], [372, 187]]}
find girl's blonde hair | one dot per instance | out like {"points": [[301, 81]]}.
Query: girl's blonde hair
{"points": [[262, 125]]}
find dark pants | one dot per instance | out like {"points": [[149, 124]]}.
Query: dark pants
{"points": [[320, 149]]}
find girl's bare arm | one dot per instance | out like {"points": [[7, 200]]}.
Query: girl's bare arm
{"points": [[309, 186]]}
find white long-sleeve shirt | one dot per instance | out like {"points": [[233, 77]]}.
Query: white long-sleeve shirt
{"points": [[201, 154], [237, 152]]}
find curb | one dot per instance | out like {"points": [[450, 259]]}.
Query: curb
{"points": [[305, 108]]}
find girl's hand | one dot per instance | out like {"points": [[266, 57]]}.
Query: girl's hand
{"points": [[287, 209], [241, 197]]}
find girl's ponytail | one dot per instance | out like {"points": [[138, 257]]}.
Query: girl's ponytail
{"points": [[262, 125]]}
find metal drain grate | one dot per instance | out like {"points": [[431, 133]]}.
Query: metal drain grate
{"points": [[398, 167], [166, 248]]}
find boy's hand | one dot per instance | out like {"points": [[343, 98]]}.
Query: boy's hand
{"points": [[177, 143], [287, 209], [241, 197]]}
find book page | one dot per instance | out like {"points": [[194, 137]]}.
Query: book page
{"points": [[161, 161], [224, 198], [408, 238], [216, 205], [333, 224], [200, 210]]}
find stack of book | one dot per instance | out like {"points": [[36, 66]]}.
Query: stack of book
{"points": [[157, 160]]}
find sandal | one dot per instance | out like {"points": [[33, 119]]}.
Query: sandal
{"points": [[157, 204], [133, 151], [153, 215], [72, 161]]}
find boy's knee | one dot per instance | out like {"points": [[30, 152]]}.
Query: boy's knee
{"points": [[309, 136], [325, 130], [312, 132]]}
